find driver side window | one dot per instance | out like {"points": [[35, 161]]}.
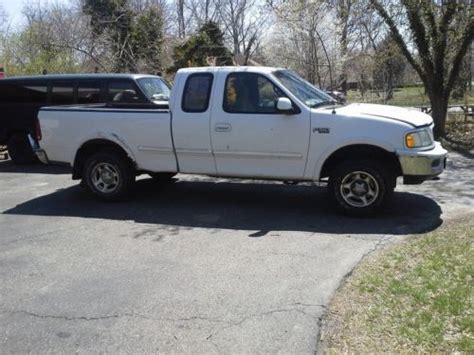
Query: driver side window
{"points": [[250, 93]]}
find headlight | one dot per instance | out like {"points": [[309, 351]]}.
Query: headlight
{"points": [[418, 139]]}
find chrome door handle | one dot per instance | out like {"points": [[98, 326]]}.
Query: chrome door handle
{"points": [[223, 127]]}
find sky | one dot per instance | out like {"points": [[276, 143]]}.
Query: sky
{"points": [[13, 8]]}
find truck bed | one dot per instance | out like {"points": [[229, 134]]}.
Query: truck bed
{"points": [[144, 132]]}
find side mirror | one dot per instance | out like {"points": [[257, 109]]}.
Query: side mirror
{"points": [[284, 105]]}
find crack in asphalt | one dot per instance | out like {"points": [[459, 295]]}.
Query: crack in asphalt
{"points": [[228, 324], [67, 318], [264, 314], [121, 315]]}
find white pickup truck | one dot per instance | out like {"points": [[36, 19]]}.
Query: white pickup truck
{"points": [[243, 122]]}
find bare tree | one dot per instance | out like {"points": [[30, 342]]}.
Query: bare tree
{"points": [[181, 16], [441, 34], [188, 16], [203, 11], [243, 21], [343, 13], [3, 17], [305, 29]]}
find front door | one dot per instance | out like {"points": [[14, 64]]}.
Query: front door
{"points": [[250, 137]]}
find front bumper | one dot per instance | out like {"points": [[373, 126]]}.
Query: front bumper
{"points": [[423, 164], [40, 153]]}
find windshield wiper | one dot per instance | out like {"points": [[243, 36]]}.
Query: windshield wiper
{"points": [[324, 103]]}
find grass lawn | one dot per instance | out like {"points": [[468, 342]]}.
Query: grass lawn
{"points": [[407, 96], [417, 296]]}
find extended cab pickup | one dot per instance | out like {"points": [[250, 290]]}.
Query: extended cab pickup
{"points": [[245, 122]]}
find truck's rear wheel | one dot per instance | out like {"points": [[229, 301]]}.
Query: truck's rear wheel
{"points": [[109, 175], [361, 187], [20, 151]]}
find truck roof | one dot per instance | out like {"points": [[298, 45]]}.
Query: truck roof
{"points": [[77, 76], [251, 69]]}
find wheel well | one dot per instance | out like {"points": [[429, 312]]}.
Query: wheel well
{"points": [[92, 147], [357, 152]]}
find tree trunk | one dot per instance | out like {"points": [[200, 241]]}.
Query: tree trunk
{"points": [[439, 110], [343, 14], [181, 22], [389, 91]]}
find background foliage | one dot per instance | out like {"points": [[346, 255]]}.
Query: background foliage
{"points": [[371, 48]]}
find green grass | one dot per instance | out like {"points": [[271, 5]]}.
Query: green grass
{"points": [[418, 296], [407, 96]]}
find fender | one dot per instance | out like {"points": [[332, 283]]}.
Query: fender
{"points": [[341, 144], [109, 136]]}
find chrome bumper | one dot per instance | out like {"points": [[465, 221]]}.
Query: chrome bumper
{"points": [[428, 163], [40, 153]]}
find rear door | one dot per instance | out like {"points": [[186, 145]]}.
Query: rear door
{"points": [[191, 118], [250, 137]]}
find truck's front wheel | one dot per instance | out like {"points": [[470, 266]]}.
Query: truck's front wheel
{"points": [[109, 175], [361, 187]]}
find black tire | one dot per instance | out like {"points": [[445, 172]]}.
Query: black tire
{"points": [[361, 188], [162, 177], [118, 175], [20, 151]]}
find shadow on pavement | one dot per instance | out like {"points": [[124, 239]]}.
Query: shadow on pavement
{"points": [[7, 166], [241, 206]]}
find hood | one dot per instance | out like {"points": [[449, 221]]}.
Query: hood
{"points": [[410, 116]]}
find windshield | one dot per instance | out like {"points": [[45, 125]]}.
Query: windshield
{"points": [[303, 90], [155, 89]]}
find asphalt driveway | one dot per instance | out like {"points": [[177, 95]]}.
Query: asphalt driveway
{"points": [[196, 265]]}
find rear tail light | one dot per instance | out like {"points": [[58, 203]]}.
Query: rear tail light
{"points": [[38, 134]]}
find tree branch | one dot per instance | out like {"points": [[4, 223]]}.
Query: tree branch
{"points": [[442, 41], [466, 42], [419, 34], [399, 39]]}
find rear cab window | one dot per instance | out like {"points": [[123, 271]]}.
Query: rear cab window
{"points": [[197, 92]]}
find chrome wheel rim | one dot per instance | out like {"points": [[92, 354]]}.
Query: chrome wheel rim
{"points": [[105, 177], [359, 189]]}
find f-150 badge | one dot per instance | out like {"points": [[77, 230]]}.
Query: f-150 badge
{"points": [[321, 130]]}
